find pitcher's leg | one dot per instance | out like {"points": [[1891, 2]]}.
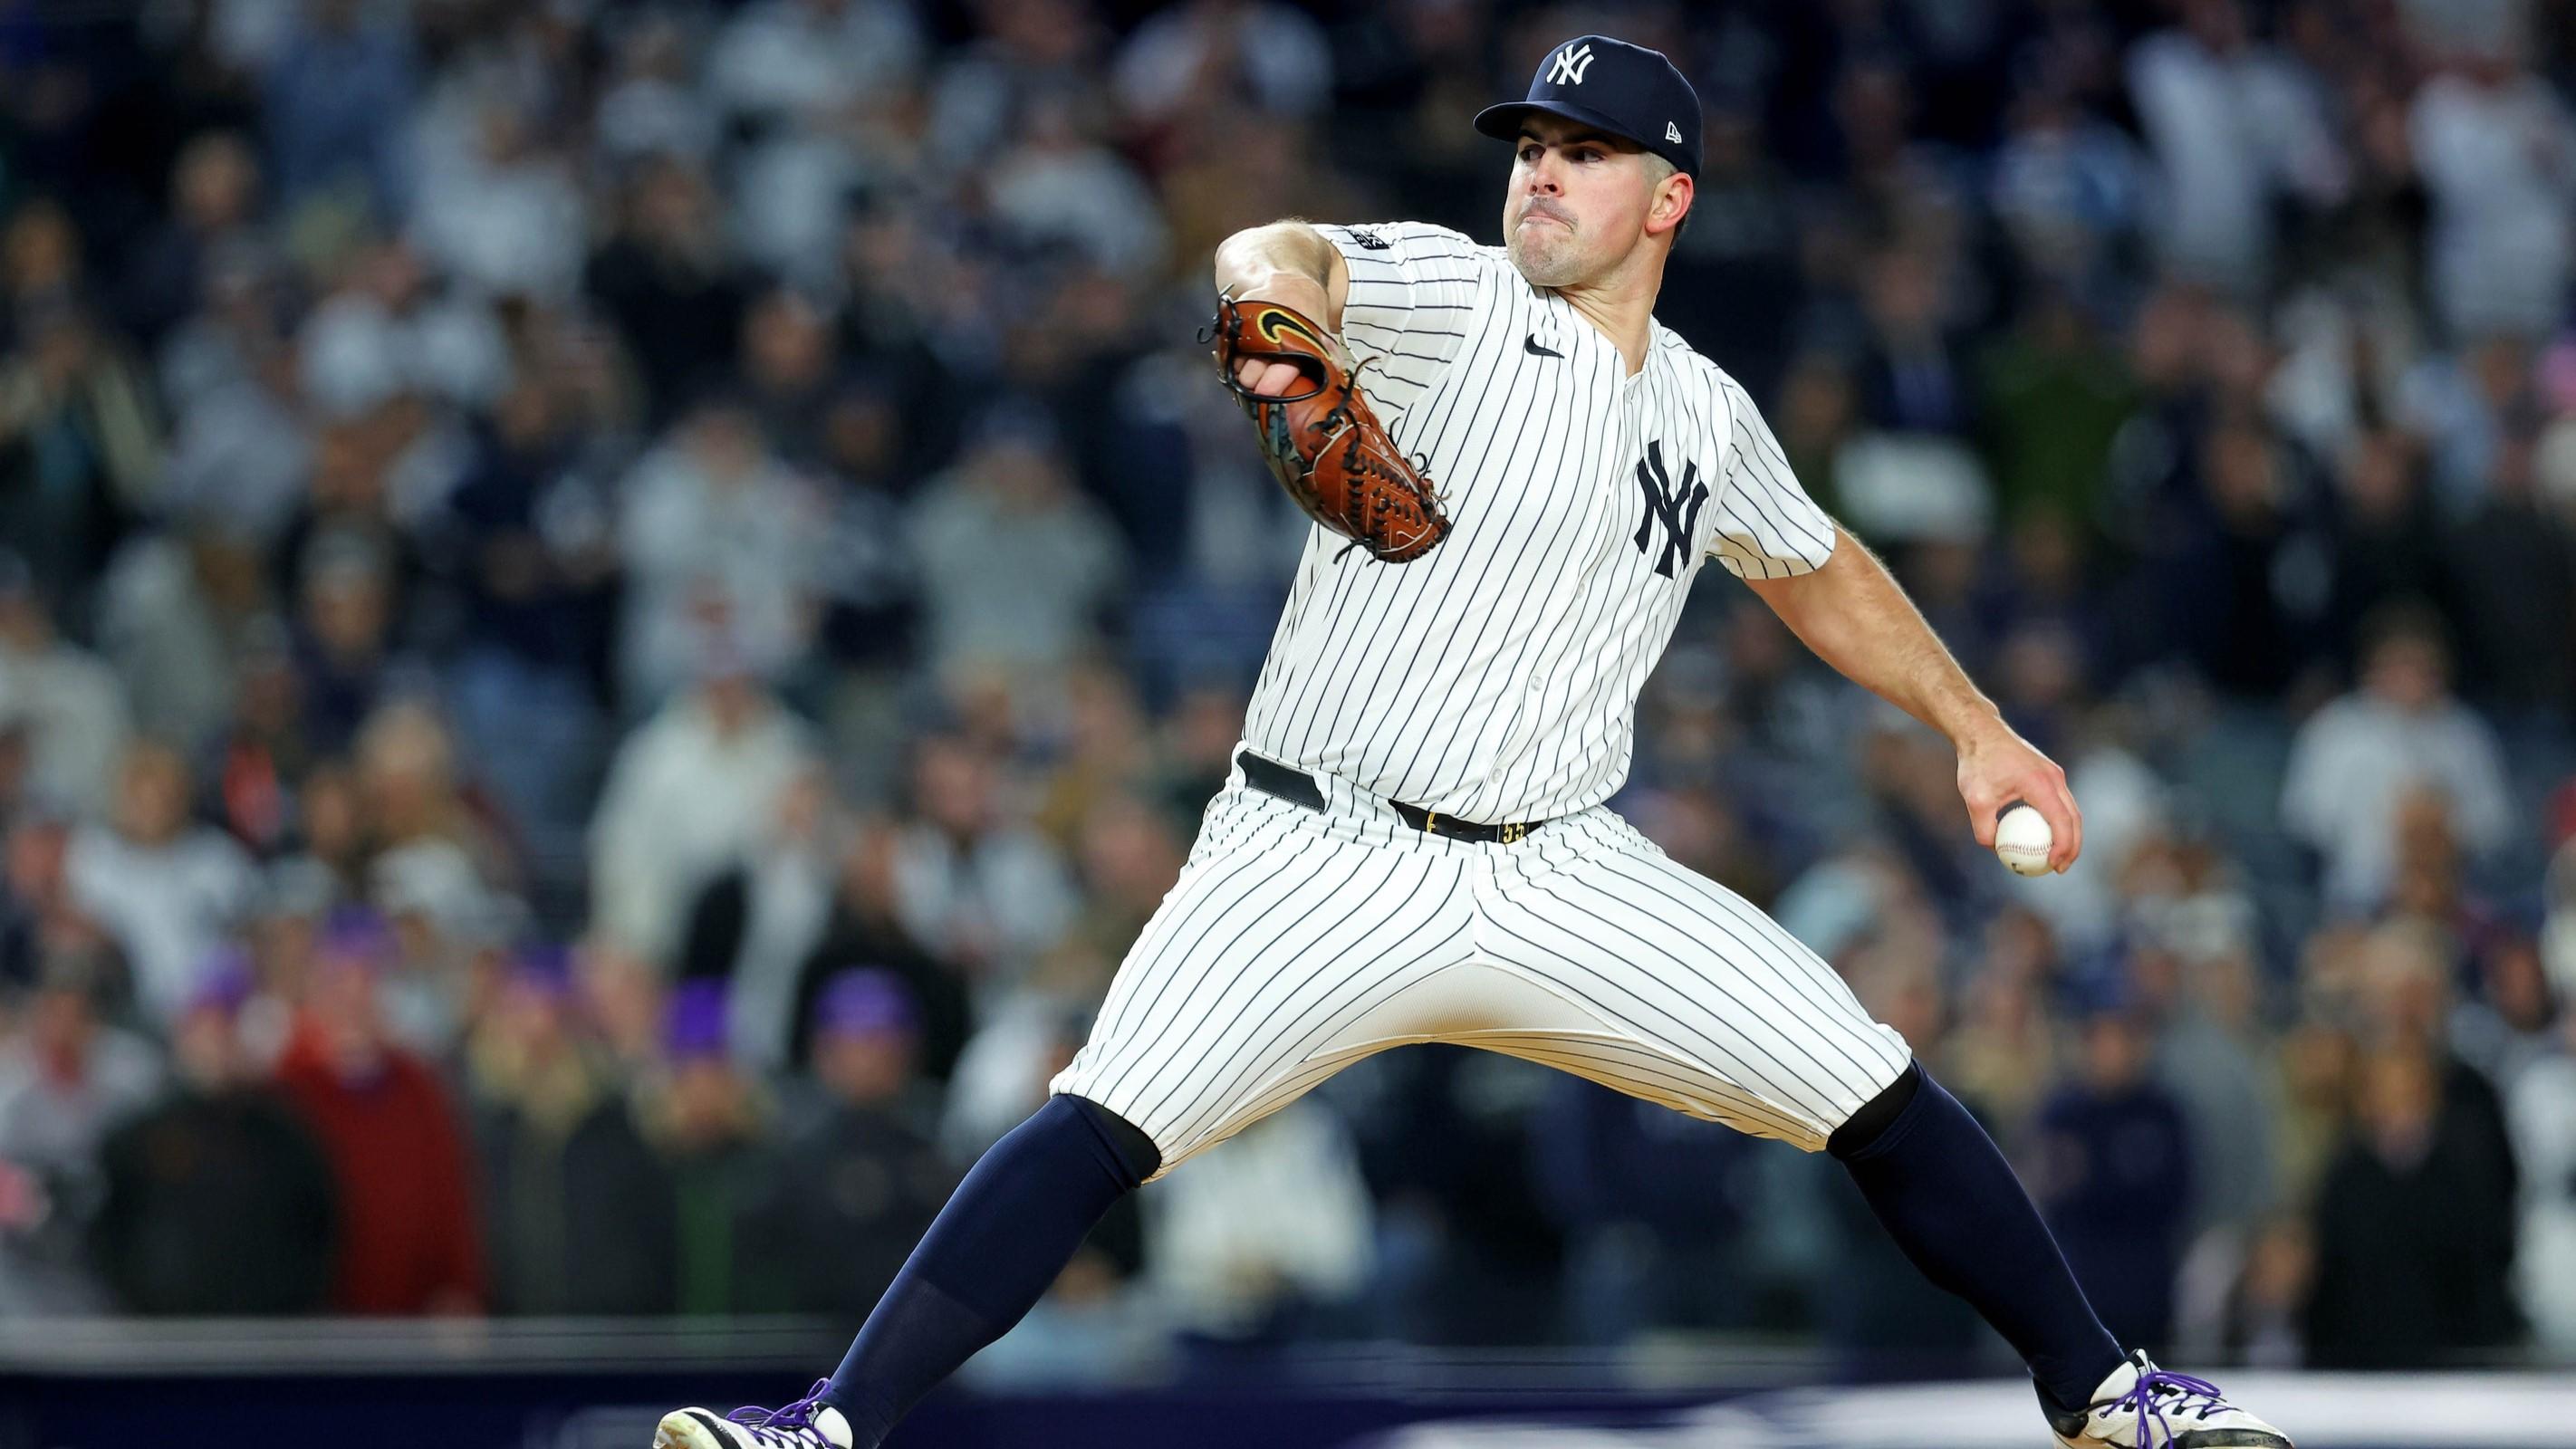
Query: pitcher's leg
{"points": [[1704, 978], [1206, 1023], [1944, 1192], [995, 1248]]}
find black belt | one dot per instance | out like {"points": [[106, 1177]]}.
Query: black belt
{"points": [[1299, 788]]}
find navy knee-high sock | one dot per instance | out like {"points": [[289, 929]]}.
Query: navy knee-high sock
{"points": [[1007, 1232], [1945, 1193]]}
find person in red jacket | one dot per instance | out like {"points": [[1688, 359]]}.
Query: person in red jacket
{"points": [[409, 1241]]}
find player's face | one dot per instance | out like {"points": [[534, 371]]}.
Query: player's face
{"points": [[1577, 203]]}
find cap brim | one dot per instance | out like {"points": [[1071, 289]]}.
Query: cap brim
{"points": [[1503, 122]]}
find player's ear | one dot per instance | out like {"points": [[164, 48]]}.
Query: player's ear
{"points": [[1671, 202]]}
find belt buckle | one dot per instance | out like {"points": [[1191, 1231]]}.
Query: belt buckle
{"points": [[1431, 822], [1511, 834]]}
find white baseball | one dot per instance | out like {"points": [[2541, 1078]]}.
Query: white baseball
{"points": [[2023, 839]]}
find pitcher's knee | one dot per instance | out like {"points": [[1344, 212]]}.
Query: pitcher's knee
{"points": [[1879, 1117], [1129, 1152]]}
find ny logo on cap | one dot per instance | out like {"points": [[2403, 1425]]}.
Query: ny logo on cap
{"points": [[1570, 65]]}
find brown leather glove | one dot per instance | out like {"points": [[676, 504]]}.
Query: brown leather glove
{"points": [[1321, 440]]}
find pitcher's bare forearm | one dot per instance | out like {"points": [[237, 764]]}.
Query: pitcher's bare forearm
{"points": [[1856, 618], [1287, 262]]}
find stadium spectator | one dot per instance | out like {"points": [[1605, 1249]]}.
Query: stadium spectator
{"points": [[533, 560], [409, 1236], [866, 1148], [239, 447], [2411, 1267], [866, 931], [2115, 1179], [346, 593], [2512, 569], [2355, 758], [338, 87], [2497, 154], [1007, 510], [214, 207], [2222, 555], [163, 887], [1126, 858], [1192, 58], [494, 207], [713, 1128], [218, 1200], [67, 1079], [579, 1205], [433, 869], [790, 374], [1912, 379], [2238, 129], [2053, 395], [669, 281], [2261, 1321], [754, 925], [38, 916], [719, 541], [68, 706], [687, 796], [790, 61], [973, 884], [80, 443], [1057, 189]]}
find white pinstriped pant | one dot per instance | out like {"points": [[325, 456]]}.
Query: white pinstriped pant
{"points": [[1299, 941]]}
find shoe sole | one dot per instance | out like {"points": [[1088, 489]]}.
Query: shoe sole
{"points": [[678, 1430]]}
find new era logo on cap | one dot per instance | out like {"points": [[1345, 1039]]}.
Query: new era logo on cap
{"points": [[1672, 133], [1571, 63]]}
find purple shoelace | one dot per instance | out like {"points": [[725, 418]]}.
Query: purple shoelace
{"points": [[2142, 1397], [798, 1415]]}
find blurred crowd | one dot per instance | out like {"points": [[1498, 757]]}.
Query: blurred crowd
{"points": [[614, 611]]}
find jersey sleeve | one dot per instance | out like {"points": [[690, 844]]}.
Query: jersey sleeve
{"points": [[1414, 288], [1767, 526]]}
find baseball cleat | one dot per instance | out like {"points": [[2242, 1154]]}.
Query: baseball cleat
{"points": [[2141, 1406], [809, 1423]]}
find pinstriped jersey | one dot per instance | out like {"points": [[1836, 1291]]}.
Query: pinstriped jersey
{"points": [[1496, 677]]}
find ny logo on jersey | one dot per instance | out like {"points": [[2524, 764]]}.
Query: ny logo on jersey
{"points": [[1679, 510], [1570, 65]]}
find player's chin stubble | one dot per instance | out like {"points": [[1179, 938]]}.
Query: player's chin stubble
{"points": [[1545, 253]]}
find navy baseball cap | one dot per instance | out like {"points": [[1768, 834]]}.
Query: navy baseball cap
{"points": [[1612, 86]]}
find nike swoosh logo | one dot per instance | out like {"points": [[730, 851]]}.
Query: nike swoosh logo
{"points": [[1531, 342]]}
